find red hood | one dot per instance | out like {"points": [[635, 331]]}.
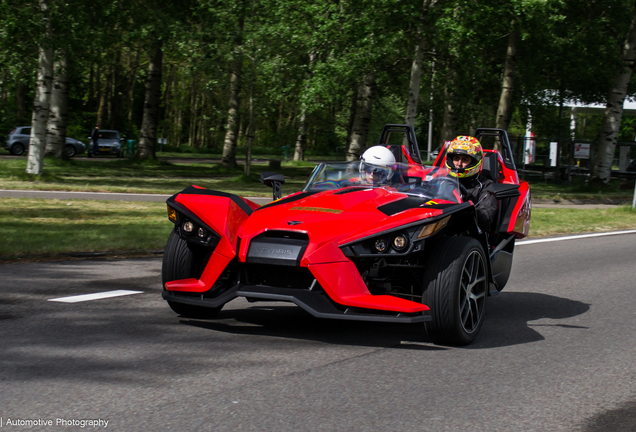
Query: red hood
{"points": [[330, 217]]}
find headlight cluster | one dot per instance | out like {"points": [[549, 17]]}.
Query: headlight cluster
{"points": [[193, 230], [399, 242]]}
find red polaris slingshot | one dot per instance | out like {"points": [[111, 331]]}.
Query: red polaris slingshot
{"points": [[406, 251]]}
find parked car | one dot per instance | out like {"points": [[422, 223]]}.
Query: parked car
{"points": [[17, 142], [405, 249], [110, 143]]}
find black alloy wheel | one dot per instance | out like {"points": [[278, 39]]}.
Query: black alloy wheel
{"points": [[455, 289], [70, 150]]}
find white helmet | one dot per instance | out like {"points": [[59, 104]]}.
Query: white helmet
{"points": [[378, 160]]}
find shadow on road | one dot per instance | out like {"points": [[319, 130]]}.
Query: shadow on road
{"points": [[622, 419], [508, 322]]}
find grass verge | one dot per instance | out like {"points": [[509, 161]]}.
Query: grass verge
{"points": [[33, 229]]}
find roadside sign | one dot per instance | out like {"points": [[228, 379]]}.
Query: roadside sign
{"points": [[581, 151]]}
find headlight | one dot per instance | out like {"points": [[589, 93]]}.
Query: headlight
{"points": [[400, 242], [380, 245], [188, 227]]}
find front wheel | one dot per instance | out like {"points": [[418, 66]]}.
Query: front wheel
{"points": [[455, 289], [179, 263]]}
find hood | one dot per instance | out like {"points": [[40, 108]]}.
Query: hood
{"points": [[333, 217]]}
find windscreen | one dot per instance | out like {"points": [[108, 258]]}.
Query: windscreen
{"points": [[427, 182], [109, 135]]}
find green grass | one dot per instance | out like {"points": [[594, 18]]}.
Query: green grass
{"points": [[135, 176], [551, 222], [618, 190], [161, 177], [40, 228]]}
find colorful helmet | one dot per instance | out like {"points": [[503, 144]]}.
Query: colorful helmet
{"points": [[469, 146], [378, 160]]}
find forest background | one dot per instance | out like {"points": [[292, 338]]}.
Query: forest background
{"points": [[313, 77]]}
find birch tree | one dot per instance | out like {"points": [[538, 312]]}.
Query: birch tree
{"points": [[148, 138], [58, 118], [608, 136], [42, 100], [504, 110], [231, 129]]}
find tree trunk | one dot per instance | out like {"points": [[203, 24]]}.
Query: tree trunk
{"points": [[449, 121], [130, 92], [104, 95], [362, 120], [42, 100], [301, 138], [58, 118], [250, 131], [504, 111], [416, 67], [608, 136], [116, 103], [20, 99], [152, 100], [231, 129], [228, 158]]}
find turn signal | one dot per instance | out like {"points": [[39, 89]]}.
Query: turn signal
{"points": [[431, 229], [172, 214]]}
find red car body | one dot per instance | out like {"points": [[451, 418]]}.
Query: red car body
{"points": [[346, 251]]}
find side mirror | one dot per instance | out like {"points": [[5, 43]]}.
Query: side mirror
{"points": [[275, 181]]}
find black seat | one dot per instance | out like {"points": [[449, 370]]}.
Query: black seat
{"points": [[490, 167]]}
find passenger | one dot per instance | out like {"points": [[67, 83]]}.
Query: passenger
{"points": [[377, 165], [464, 159]]}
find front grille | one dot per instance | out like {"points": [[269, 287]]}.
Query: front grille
{"points": [[277, 276]]}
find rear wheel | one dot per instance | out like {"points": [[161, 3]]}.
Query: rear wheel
{"points": [[179, 263], [70, 151], [17, 149], [455, 289]]}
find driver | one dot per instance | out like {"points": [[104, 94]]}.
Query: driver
{"points": [[464, 160], [377, 165]]}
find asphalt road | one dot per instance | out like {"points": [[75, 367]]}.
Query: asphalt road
{"points": [[557, 353]]}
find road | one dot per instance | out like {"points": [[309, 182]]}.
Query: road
{"points": [[557, 353]]}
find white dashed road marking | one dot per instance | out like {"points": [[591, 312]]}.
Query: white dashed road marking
{"points": [[553, 239], [95, 296]]}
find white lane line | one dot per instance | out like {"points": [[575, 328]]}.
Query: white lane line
{"points": [[95, 296], [575, 237]]}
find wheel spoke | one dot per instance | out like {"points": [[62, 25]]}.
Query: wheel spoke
{"points": [[472, 292]]}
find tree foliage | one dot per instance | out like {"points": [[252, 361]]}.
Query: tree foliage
{"points": [[302, 63]]}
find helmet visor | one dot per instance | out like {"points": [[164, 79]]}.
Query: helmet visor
{"points": [[376, 174]]}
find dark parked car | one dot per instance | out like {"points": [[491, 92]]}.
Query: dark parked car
{"points": [[17, 142], [109, 143]]}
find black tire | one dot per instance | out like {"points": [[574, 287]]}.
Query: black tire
{"points": [[70, 150], [178, 263], [17, 149], [455, 289]]}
